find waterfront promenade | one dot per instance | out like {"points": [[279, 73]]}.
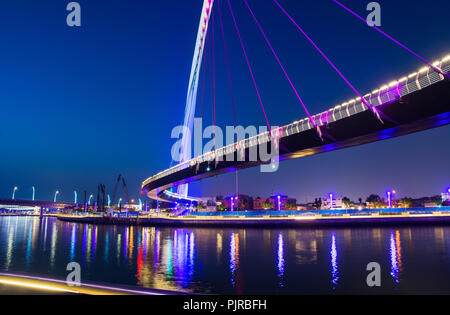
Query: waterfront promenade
{"points": [[278, 219]]}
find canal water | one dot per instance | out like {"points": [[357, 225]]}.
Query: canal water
{"points": [[232, 261]]}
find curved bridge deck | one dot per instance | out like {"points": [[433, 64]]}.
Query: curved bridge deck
{"points": [[411, 104]]}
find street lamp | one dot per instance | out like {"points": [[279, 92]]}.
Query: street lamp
{"points": [[120, 201], [56, 194], [279, 203], [232, 204], [76, 197], [331, 201], [109, 201], [389, 199], [90, 198], [14, 192], [34, 190], [389, 194]]}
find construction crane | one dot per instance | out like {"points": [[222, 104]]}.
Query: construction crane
{"points": [[101, 200], [124, 185]]}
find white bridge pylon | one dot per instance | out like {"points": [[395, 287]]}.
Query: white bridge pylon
{"points": [[191, 99]]}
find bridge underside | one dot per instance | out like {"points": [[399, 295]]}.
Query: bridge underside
{"points": [[424, 109]]}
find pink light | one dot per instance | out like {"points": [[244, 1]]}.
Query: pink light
{"points": [[282, 68], [228, 67], [329, 61], [395, 41], [248, 64]]}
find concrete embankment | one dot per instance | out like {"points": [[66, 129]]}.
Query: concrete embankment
{"points": [[272, 221]]}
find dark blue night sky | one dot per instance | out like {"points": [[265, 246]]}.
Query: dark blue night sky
{"points": [[82, 105]]}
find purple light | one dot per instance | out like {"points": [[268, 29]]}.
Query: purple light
{"points": [[329, 61], [279, 205], [334, 261], [280, 259], [394, 40], [394, 258], [282, 68], [228, 67], [389, 194], [248, 64], [389, 198]]}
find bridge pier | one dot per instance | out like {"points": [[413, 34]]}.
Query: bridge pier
{"points": [[41, 212]]}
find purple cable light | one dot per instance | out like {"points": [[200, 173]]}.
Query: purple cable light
{"points": [[214, 79], [248, 64], [284, 70], [229, 82], [329, 61], [227, 63], [395, 41]]}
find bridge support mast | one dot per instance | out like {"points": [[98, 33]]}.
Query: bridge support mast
{"points": [[186, 146]]}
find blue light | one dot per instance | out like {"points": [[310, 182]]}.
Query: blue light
{"points": [[334, 261], [280, 259]]}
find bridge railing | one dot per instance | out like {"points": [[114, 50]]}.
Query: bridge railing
{"points": [[388, 93]]}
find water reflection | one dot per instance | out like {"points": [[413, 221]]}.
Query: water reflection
{"points": [[280, 260], [219, 245], [334, 263], [395, 255], [11, 232], [226, 260], [30, 239], [234, 257], [73, 242], [53, 246], [306, 248]]}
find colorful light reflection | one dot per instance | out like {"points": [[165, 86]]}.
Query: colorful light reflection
{"points": [[280, 260], [334, 263], [395, 256]]}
